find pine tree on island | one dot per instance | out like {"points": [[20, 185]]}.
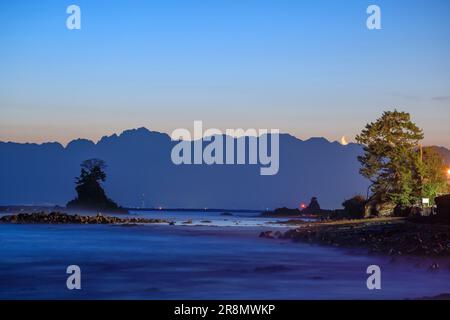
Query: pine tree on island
{"points": [[91, 195]]}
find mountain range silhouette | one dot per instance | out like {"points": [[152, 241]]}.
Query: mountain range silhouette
{"points": [[141, 174]]}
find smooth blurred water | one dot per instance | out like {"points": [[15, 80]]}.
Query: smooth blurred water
{"points": [[196, 262], [208, 218]]}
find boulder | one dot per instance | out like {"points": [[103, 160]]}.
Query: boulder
{"points": [[376, 208]]}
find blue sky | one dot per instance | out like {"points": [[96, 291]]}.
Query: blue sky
{"points": [[309, 68]]}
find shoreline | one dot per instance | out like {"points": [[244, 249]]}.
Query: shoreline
{"points": [[385, 236]]}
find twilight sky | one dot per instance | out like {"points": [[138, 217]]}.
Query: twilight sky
{"points": [[309, 68]]}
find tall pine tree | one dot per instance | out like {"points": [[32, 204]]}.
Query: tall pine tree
{"points": [[391, 159]]}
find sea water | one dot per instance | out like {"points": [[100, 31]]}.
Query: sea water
{"points": [[208, 261]]}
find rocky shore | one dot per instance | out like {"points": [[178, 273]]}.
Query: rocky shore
{"points": [[63, 218], [394, 236]]}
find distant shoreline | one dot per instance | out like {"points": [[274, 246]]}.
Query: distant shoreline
{"points": [[18, 208], [195, 209]]}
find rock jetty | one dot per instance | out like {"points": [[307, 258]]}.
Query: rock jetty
{"points": [[63, 218]]}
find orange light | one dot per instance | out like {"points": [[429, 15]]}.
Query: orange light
{"points": [[303, 206], [448, 172]]}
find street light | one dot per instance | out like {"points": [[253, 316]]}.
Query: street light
{"points": [[448, 176]]}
